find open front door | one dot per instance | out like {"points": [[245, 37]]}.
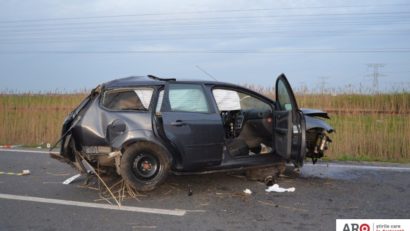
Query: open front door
{"points": [[289, 126]]}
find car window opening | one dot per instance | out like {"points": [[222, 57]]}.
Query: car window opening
{"points": [[247, 122], [130, 99]]}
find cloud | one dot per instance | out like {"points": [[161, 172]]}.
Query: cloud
{"points": [[205, 28]]}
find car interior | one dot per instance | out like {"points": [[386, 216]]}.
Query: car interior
{"points": [[247, 122]]}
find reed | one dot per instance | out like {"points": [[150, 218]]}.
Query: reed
{"points": [[368, 126], [34, 119]]}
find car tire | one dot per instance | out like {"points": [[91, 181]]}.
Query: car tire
{"points": [[144, 165]]}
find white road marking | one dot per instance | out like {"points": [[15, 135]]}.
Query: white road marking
{"points": [[26, 151], [363, 167], [351, 166], [175, 212]]}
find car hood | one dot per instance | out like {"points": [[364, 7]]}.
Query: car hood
{"points": [[315, 113]]}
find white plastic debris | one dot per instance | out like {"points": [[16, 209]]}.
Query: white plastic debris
{"points": [[276, 188], [114, 154], [71, 179], [247, 191]]}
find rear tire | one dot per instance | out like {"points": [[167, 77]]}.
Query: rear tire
{"points": [[144, 165]]}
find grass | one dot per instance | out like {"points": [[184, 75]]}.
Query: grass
{"points": [[378, 137], [34, 119], [370, 127]]}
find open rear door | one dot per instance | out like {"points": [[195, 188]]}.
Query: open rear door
{"points": [[289, 126]]}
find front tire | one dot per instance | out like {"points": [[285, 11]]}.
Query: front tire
{"points": [[144, 165]]}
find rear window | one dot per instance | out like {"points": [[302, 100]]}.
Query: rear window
{"points": [[128, 99]]}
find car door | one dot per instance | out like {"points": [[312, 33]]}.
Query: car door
{"points": [[192, 125], [289, 125]]}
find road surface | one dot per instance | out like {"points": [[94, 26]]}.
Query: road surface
{"points": [[323, 193]]}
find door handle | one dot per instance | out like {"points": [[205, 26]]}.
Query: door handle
{"points": [[177, 123]]}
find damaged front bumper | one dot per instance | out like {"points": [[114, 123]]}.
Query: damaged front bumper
{"points": [[317, 133]]}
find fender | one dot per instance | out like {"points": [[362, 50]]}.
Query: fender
{"points": [[120, 142], [312, 122]]}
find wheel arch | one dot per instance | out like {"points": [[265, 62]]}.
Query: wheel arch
{"points": [[133, 141]]}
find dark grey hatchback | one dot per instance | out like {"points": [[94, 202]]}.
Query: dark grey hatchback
{"points": [[143, 128]]}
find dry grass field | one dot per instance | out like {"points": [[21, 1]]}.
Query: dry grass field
{"points": [[34, 119], [368, 126]]}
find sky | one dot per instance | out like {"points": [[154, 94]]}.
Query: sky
{"points": [[64, 46]]}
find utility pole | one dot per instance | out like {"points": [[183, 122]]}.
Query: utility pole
{"points": [[323, 83], [376, 74], [303, 87]]}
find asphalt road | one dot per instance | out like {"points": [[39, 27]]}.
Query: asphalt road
{"points": [[323, 193]]}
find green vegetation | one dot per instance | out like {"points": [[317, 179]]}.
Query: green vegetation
{"points": [[378, 137], [33, 119], [368, 127]]}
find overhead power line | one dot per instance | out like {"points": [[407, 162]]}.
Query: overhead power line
{"points": [[361, 19], [189, 26], [107, 36], [317, 51], [197, 12], [70, 33], [232, 24], [183, 18]]}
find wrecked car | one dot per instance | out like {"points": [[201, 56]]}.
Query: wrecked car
{"points": [[143, 128]]}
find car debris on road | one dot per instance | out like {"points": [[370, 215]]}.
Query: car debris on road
{"points": [[276, 188], [247, 191], [71, 179], [25, 172]]}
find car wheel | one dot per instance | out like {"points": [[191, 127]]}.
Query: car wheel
{"points": [[144, 166]]}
